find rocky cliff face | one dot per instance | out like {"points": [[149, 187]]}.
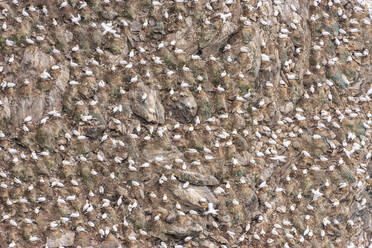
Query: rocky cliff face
{"points": [[186, 123]]}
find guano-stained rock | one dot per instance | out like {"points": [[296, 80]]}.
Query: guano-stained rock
{"points": [[193, 194], [146, 103]]}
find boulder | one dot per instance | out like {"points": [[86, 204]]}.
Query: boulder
{"points": [[185, 107], [146, 103], [185, 226], [192, 194], [61, 238], [160, 149]]}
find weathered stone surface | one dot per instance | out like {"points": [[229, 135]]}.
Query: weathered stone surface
{"points": [[185, 226], [36, 61], [250, 199], [62, 78], [193, 194], [58, 239], [111, 242], [146, 103], [33, 106], [185, 107], [286, 108], [163, 150], [63, 37], [213, 42], [197, 178]]}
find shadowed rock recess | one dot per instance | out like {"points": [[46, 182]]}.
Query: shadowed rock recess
{"points": [[185, 123]]}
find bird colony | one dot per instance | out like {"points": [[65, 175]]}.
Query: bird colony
{"points": [[185, 123]]}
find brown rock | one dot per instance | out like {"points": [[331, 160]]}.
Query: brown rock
{"points": [[160, 149], [286, 108], [192, 195], [197, 178], [146, 103], [35, 61], [185, 226], [27, 106], [185, 107], [111, 242], [61, 238]]}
